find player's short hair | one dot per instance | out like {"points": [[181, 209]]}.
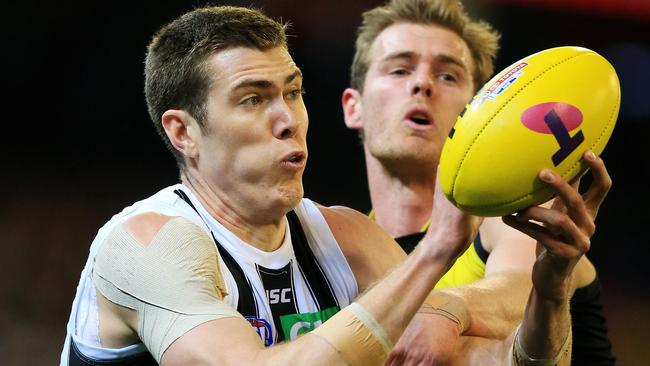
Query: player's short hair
{"points": [[177, 74], [481, 39]]}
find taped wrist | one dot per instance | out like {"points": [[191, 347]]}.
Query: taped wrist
{"points": [[357, 336], [450, 306], [521, 358]]}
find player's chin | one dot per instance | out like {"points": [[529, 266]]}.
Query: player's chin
{"points": [[290, 193]]}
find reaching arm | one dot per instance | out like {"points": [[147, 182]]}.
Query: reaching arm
{"points": [[497, 301], [391, 302], [562, 239], [386, 308], [493, 306]]}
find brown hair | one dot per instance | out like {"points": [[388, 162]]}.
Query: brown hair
{"points": [[177, 74], [480, 38]]}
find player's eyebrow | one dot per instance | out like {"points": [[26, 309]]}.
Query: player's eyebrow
{"points": [[265, 84], [449, 59], [410, 55]]}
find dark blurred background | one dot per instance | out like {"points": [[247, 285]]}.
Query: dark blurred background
{"points": [[78, 145]]}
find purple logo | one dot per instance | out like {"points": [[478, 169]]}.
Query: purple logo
{"points": [[558, 119]]}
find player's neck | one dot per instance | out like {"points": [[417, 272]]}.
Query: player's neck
{"points": [[401, 202], [249, 225]]}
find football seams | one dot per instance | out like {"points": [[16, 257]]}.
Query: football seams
{"points": [[469, 136]]}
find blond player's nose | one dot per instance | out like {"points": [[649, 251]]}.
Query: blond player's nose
{"points": [[422, 85]]}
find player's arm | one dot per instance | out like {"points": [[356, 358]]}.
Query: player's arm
{"points": [[360, 334], [482, 308], [544, 336], [175, 308], [497, 301]]}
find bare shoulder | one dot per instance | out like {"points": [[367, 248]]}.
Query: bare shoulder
{"points": [[341, 218], [354, 230], [370, 251]]}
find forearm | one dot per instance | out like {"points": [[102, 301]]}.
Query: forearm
{"points": [[542, 335], [489, 314], [409, 280], [306, 350], [546, 330], [350, 333]]}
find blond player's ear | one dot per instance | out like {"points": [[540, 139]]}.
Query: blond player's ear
{"points": [[352, 108], [182, 130]]}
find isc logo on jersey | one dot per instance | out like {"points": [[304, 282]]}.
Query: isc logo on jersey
{"points": [[279, 296]]}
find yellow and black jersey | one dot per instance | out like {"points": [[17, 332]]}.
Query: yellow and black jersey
{"points": [[469, 267]]}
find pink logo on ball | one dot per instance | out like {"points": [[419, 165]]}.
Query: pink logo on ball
{"points": [[533, 117]]}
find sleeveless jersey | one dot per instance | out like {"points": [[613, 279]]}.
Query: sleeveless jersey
{"points": [[283, 293], [468, 268]]}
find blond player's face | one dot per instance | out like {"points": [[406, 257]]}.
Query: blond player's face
{"points": [[255, 148], [418, 81]]}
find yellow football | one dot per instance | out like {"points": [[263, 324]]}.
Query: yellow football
{"points": [[543, 111]]}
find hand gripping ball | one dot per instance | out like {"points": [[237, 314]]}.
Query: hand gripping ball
{"points": [[543, 111]]}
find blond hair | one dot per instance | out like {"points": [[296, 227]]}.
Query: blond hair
{"points": [[481, 39]]}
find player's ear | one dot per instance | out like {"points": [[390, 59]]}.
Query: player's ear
{"points": [[182, 130], [352, 108]]}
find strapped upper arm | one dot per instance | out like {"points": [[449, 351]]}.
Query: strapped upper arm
{"points": [[167, 270]]}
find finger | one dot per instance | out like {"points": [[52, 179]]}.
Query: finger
{"points": [[394, 358], [554, 244], [531, 229], [572, 200], [600, 185], [543, 236], [560, 224]]}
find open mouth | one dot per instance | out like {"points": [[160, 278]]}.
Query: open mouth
{"points": [[296, 158], [420, 118]]}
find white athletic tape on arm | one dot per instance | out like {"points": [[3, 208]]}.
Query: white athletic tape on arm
{"points": [[174, 283], [375, 328], [450, 306], [357, 336], [521, 358]]}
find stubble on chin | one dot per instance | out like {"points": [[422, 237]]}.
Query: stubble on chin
{"points": [[401, 161], [291, 193]]}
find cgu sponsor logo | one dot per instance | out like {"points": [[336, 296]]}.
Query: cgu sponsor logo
{"points": [[294, 325], [279, 296]]}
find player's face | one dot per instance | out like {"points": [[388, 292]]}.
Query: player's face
{"points": [[418, 81], [255, 149]]}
